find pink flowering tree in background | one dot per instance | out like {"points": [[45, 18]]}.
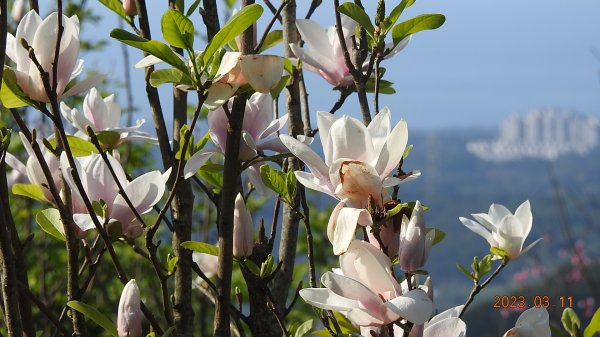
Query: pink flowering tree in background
{"points": [[132, 246]]}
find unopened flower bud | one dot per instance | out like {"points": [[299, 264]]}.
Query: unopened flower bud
{"points": [[414, 243], [17, 10], [129, 317], [130, 7], [242, 229]]}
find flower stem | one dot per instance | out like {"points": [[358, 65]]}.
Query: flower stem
{"points": [[478, 287]]}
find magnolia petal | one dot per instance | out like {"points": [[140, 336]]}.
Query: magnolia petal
{"points": [[477, 228], [449, 327], [357, 181], [247, 149], [349, 138], [497, 213], [537, 319], [147, 61], [16, 164], [309, 181], [26, 30], [85, 221], [352, 289], [399, 47], [11, 47], [229, 61], [452, 312], [84, 85], [75, 118], [372, 267], [219, 93], [324, 122], [345, 226], [509, 236], [309, 157], [274, 126], [413, 175], [391, 181], [66, 172], [380, 128], [523, 214], [361, 317], [317, 38], [414, 306], [526, 249], [143, 192], [196, 161], [262, 72], [243, 229], [391, 153], [324, 298], [217, 123]]}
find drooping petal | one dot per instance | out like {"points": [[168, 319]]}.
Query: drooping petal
{"points": [[309, 157], [143, 192], [354, 290], [147, 61], [218, 94], [310, 181], [326, 299], [343, 225], [262, 72], [196, 161], [414, 306], [477, 228]]}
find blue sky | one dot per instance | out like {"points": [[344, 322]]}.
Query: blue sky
{"points": [[490, 59]]}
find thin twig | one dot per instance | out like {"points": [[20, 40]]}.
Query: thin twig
{"points": [[478, 287]]}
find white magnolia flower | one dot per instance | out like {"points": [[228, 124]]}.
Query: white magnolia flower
{"points": [[357, 165], [41, 35], [533, 322], [143, 192], [103, 114], [504, 230], [129, 316], [445, 324], [243, 229], [366, 292]]}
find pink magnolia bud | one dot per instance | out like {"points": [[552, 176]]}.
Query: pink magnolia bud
{"points": [[242, 229], [414, 242], [17, 10], [129, 318], [130, 7]]}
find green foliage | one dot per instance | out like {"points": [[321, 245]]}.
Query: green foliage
{"points": [[392, 18], [252, 267], [282, 183], [479, 268], [501, 253], [171, 263], [357, 14], [11, 94], [177, 29], [438, 236], [302, 329], [272, 39], [79, 146], [30, 191], [156, 48], [385, 87], [192, 8], [170, 75], [234, 27], [266, 268], [109, 139], [117, 7], [94, 315], [184, 132], [49, 221], [570, 322], [594, 325], [465, 271], [416, 24], [201, 247]]}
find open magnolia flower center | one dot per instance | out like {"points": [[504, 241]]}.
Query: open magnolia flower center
{"points": [[359, 182]]}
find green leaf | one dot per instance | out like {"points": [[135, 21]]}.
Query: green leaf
{"points": [[230, 3], [117, 7], [357, 14], [156, 48], [439, 235], [252, 267], [594, 325], [49, 221], [267, 267], [385, 87], [290, 182], [202, 142], [570, 322], [234, 27], [283, 82], [183, 133], [416, 24], [304, 328], [96, 316], [192, 8], [211, 177], [177, 29], [407, 151], [109, 139], [272, 39], [275, 180], [79, 146], [29, 190], [11, 94], [171, 75], [465, 271], [485, 266], [391, 19], [201, 247], [500, 253], [171, 263]]}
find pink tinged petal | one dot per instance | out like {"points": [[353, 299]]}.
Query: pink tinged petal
{"points": [[95, 109], [380, 128], [358, 181], [15, 164], [217, 123], [130, 7], [317, 38], [196, 161], [349, 138], [414, 306], [262, 72], [247, 147], [77, 70], [143, 192], [229, 63], [100, 182], [84, 85], [218, 94], [66, 172], [324, 298], [113, 116], [449, 327], [274, 126], [324, 122], [344, 225], [243, 229], [74, 117], [129, 317], [309, 181], [317, 63], [11, 47], [309, 157], [26, 30], [372, 267], [258, 114], [256, 180], [148, 61], [392, 151], [354, 290], [361, 317], [69, 52], [206, 262], [274, 144], [478, 229], [84, 222]]}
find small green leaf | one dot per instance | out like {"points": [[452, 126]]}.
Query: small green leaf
{"points": [[156, 48], [192, 8], [213, 167], [117, 7], [485, 266], [234, 27], [465, 271], [210, 176], [171, 75], [29, 190], [357, 14], [304, 328], [79, 146], [396, 209], [49, 221], [177, 29], [283, 82], [290, 182], [100, 208], [272, 39], [201, 247], [96, 316], [11, 94], [500, 253], [594, 325], [267, 267], [416, 24], [275, 180], [171, 263], [385, 87], [183, 134], [407, 151], [252, 267], [391, 19], [570, 322], [109, 139], [439, 235]]}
